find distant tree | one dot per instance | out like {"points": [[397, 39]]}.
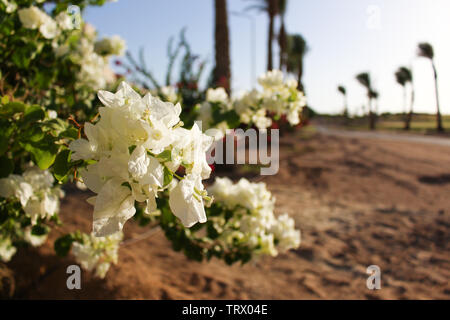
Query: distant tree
{"points": [[271, 8], [343, 91], [404, 76], [282, 35], [297, 49], [221, 73], [364, 80], [426, 50]]}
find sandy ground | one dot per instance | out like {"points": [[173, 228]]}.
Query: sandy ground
{"points": [[358, 202]]}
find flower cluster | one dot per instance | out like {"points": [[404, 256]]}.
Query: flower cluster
{"points": [[217, 103], [134, 152], [35, 18], [7, 250], [247, 218], [110, 46], [93, 58], [97, 253], [35, 191], [279, 97]]}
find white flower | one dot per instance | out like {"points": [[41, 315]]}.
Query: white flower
{"points": [[10, 6], [186, 201], [7, 250], [89, 31], [113, 206], [31, 17], [272, 78], [286, 234], [97, 252], [139, 161], [64, 21], [170, 93], [34, 240], [253, 223], [52, 114], [110, 46], [133, 143], [16, 186], [217, 95], [49, 28]]}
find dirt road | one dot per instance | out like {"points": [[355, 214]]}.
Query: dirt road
{"points": [[358, 201]]}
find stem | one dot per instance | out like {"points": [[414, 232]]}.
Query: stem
{"points": [[155, 228]]}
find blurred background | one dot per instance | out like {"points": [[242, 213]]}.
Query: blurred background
{"points": [[342, 39]]}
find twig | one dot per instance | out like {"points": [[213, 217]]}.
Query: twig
{"points": [[142, 236]]}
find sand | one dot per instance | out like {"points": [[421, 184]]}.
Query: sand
{"points": [[358, 202]]}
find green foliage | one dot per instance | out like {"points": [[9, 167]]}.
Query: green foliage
{"points": [[62, 165], [63, 245]]}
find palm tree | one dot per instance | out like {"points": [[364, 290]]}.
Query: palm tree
{"points": [[282, 36], [271, 8], [404, 76], [296, 51], [364, 80], [343, 91], [221, 73], [426, 50]]}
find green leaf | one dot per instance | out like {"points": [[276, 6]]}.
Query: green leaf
{"points": [[165, 156], [12, 108], [39, 230], [232, 118], [63, 245], [6, 131], [43, 151], [33, 114], [168, 176], [6, 166], [70, 133], [62, 166], [131, 148], [5, 99]]}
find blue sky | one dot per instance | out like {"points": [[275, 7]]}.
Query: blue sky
{"points": [[345, 37]]}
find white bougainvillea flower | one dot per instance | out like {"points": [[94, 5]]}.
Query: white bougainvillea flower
{"points": [[97, 253], [190, 147], [49, 28], [159, 137], [31, 17], [253, 223], [64, 21], [113, 206], [157, 110], [7, 250], [273, 78], [217, 95], [139, 162], [133, 145], [114, 45], [35, 191], [186, 201]]}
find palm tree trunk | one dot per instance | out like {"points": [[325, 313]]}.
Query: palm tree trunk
{"points": [[269, 43], [282, 44], [345, 106], [410, 113], [371, 116], [405, 112], [222, 73], [439, 128], [300, 75]]}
